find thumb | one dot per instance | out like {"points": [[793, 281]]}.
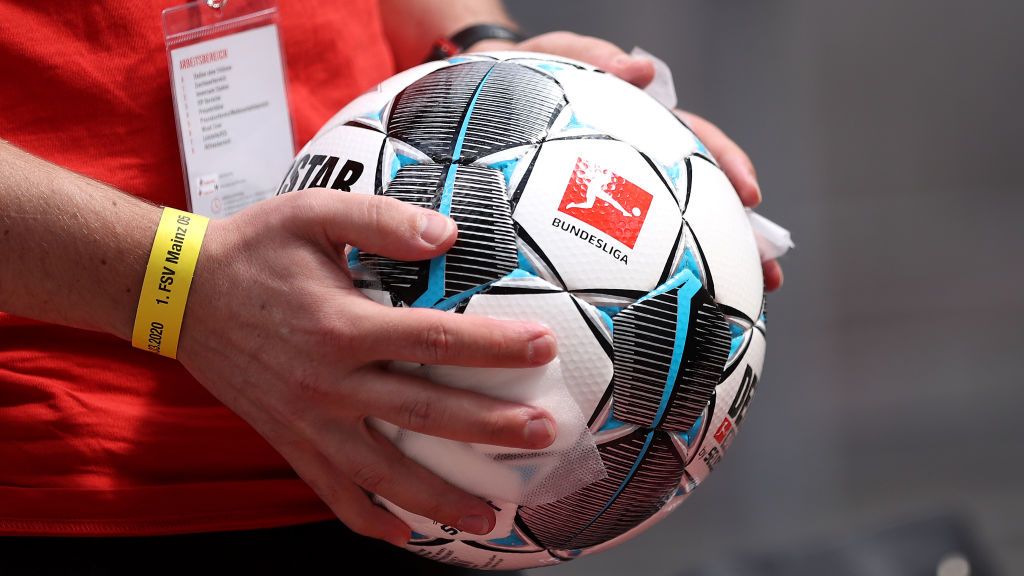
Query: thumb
{"points": [[380, 225]]}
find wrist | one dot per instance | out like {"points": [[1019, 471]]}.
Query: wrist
{"points": [[208, 283], [166, 286], [475, 38], [122, 319]]}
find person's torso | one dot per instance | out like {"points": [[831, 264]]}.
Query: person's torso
{"points": [[96, 437]]}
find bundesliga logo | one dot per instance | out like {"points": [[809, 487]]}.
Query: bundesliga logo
{"points": [[606, 201]]}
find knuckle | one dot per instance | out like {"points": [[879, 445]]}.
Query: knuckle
{"points": [[302, 212], [286, 208], [370, 477], [376, 210], [303, 384], [509, 346], [354, 338], [299, 204], [392, 218], [438, 340], [418, 414], [435, 511], [335, 335], [497, 425]]}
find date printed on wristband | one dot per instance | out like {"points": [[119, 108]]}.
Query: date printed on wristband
{"points": [[172, 262]]}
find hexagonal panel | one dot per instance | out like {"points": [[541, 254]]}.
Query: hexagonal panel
{"points": [[724, 240], [597, 217]]}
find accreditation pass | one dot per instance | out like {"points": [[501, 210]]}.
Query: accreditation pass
{"points": [[234, 129]]}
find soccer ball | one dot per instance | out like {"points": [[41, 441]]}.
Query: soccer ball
{"points": [[584, 204]]}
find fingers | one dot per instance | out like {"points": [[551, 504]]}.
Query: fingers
{"points": [[740, 171], [353, 507], [435, 337], [377, 224], [416, 404], [375, 465], [348, 502], [773, 277], [363, 517], [594, 51], [733, 160]]}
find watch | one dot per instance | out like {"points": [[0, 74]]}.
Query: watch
{"points": [[463, 39]]}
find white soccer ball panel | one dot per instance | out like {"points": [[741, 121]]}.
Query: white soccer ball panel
{"points": [[584, 367], [368, 107], [599, 213], [553, 66], [530, 58], [722, 229], [731, 400], [604, 104], [475, 57], [463, 554], [345, 158], [371, 105]]}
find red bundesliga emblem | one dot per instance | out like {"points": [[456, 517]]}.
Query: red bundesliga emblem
{"points": [[606, 201], [723, 431]]}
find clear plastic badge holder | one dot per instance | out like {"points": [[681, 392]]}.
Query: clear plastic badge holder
{"points": [[230, 102]]}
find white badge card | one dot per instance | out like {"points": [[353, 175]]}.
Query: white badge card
{"points": [[230, 102]]}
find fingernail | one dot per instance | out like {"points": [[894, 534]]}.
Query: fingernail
{"points": [[623, 60], [541, 350], [772, 268], [757, 196], [756, 185], [435, 228], [474, 524], [539, 432]]}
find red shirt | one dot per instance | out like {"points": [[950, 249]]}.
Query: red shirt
{"points": [[95, 436]]}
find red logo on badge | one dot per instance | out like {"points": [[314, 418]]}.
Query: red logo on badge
{"points": [[723, 432], [606, 201]]}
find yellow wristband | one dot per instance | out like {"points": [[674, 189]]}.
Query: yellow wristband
{"points": [[168, 279]]}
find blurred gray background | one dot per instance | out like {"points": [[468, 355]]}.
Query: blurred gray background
{"points": [[888, 138]]}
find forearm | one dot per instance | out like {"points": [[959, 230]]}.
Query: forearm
{"points": [[72, 250], [412, 25]]}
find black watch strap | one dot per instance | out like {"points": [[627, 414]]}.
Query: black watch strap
{"points": [[458, 42]]}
